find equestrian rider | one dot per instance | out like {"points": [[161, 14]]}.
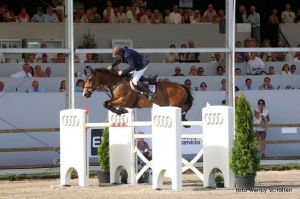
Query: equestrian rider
{"points": [[138, 64]]}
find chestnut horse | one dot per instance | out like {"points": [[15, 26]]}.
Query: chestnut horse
{"points": [[122, 96]]}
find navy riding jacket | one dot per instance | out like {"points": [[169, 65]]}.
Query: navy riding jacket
{"points": [[135, 60]]}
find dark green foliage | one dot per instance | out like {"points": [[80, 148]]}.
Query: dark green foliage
{"points": [[103, 151], [244, 157]]}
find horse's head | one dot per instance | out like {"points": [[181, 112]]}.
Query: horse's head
{"points": [[90, 83]]}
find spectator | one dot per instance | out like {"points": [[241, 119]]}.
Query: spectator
{"points": [[51, 17], [30, 58], [286, 69], [281, 56], [24, 73], [48, 72], [144, 148], [110, 17], [141, 13], [200, 71], [217, 58], [60, 58], [23, 16], [108, 9], [254, 19], [36, 88], [288, 16], [171, 57], [188, 84], [2, 93], [273, 25], [264, 55], [79, 85], [44, 58], [186, 18], [297, 55], [269, 59], [196, 18], [237, 72], [223, 85], [297, 18], [220, 71], [195, 57], [240, 56], [220, 17], [62, 87], [167, 18], [39, 17], [261, 116], [38, 72], [96, 16], [2, 58], [121, 16], [209, 14], [293, 69], [193, 71], [271, 70], [9, 15], [156, 17], [255, 65], [182, 56], [175, 16], [241, 16], [89, 58], [266, 84], [130, 15], [31, 71], [178, 71], [203, 86], [146, 18], [248, 84]]}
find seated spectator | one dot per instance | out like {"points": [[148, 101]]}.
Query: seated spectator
{"points": [[196, 18], [220, 17], [266, 84], [167, 18], [8, 14], [200, 71], [240, 56], [31, 58], [62, 87], [24, 73], [220, 71], [248, 84], [44, 58], [271, 70], [288, 16], [265, 55], [188, 84], [31, 71], [218, 58], [182, 56], [156, 17], [297, 18], [282, 56], [144, 148], [97, 17], [89, 58], [261, 116], [186, 18], [2, 93], [23, 16], [38, 72], [130, 14], [297, 55], [255, 64], [35, 87], [51, 17], [269, 59], [39, 17], [175, 16], [195, 56], [171, 57], [178, 71], [110, 17], [189, 58], [293, 69], [193, 71], [223, 85], [237, 71], [60, 58], [79, 85], [209, 14], [286, 69], [2, 58], [146, 18], [48, 72], [203, 86]]}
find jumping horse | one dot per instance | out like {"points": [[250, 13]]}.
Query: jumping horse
{"points": [[122, 96]]}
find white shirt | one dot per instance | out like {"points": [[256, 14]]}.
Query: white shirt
{"points": [[255, 65], [254, 19], [297, 59], [284, 73], [175, 18], [259, 120], [288, 17], [21, 74]]}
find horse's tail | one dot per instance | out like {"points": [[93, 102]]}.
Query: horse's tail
{"points": [[189, 100]]}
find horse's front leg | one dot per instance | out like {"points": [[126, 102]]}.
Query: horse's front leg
{"points": [[111, 104]]}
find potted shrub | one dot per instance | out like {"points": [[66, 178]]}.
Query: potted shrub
{"points": [[124, 176], [103, 157], [219, 180], [244, 158]]}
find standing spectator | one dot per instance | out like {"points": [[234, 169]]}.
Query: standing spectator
{"points": [[261, 116], [188, 84], [97, 17], [220, 71], [286, 69], [62, 87], [2, 93], [297, 18], [146, 18], [241, 16], [273, 25], [171, 57], [23, 16], [248, 84], [271, 70], [193, 71], [255, 64], [293, 69], [156, 17], [254, 19], [167, 18], [51, 17], [38, 72], [175, 16], [36, 88], [288, 16], [178, 71], [142, 13], [203, 86], [24, 73], [223, 85], [196, 18], [200, 71], [130, 15], [79, 85], [48, 72], [39, 17], [266, 84], [108, 9], [121, 14], [209, 14]]}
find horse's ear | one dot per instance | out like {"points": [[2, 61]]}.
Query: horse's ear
{"points": [[89, 71]]}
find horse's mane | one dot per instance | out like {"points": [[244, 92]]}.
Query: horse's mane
{"points": [[108, 72]]}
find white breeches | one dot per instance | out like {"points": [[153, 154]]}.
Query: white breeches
{"points": [[137, 75]]}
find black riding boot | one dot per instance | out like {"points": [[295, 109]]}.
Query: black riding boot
{"points": [[144, 88]]}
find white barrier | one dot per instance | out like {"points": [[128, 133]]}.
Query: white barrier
{"points": [[166, 145]]}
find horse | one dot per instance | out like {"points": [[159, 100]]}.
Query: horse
{"points": [[122, 96]]}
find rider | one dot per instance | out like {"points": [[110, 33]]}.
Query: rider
{"points": [[138, 64]]}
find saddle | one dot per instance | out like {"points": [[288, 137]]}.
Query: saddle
{"points": [[150, 80]]}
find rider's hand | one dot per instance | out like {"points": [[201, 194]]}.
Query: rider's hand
{"points": [[120, 72], [109, 67]]}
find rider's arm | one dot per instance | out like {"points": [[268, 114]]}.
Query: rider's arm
{"points": [[116, 62], [131, 67]]}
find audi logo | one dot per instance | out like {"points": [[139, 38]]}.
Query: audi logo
{"points": [[213, 118], [162, 121], [70, 120], [116, 119]]}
